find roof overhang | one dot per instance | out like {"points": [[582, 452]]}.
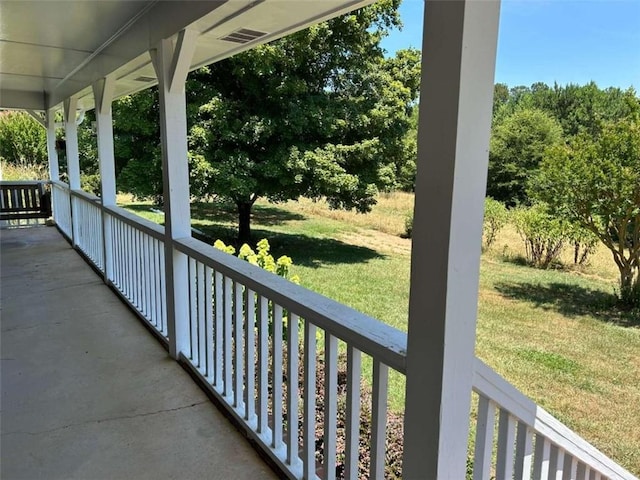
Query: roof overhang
{"points": [[52, 50]]}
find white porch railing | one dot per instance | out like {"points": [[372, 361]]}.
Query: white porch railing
{"points": [[530, 443], [257, 343], [138, 265], [247, 373], [61, 203], [88, 218]]}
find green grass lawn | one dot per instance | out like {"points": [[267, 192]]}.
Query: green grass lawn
{"points": [[555, 334]]}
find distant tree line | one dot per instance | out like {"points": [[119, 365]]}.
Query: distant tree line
{"points": [[569, 158], [566, 161]]}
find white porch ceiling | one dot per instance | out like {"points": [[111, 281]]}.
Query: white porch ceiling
{"points": [[51, 50]]}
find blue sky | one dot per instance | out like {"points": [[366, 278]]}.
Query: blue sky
{"points": [[549, 41]]}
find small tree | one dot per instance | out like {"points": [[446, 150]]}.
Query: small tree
{"points": [[495, 217], [544, 235], [596, 183]]}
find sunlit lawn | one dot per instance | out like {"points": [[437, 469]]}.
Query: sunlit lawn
{"points": [[555, 334]]}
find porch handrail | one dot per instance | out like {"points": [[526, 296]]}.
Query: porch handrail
{"points": [[147, 226], [59, 183], [89, 197], [370, 336], [530, 442], [489, 384]]}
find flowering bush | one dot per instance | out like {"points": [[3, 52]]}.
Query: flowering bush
{"points": [[262, 258]]}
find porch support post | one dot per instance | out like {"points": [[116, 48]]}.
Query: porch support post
{"points": [[73, 160], [103, 94], [52, 153], [71, 140], [172, 65], [458, 64]]}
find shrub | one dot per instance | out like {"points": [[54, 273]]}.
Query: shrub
{"points": [[262, 258], [408, 225], [91, 183], [543, 234], [495, 217]]}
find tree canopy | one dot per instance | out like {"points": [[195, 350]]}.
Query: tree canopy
{"points": [[517, 146], [22, 140], [320, 113], [136, 133], [526, 121], [595, 181]]}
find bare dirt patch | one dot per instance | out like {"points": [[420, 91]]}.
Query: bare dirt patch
{"points": [[379, 241]]}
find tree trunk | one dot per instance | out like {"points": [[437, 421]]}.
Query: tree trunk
{"points": [[244, 222], [628, 291]]}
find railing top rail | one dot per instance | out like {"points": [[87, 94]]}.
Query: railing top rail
{"points": [[491, 385], [372, 337], [90, 197], [59, 183], [23, 182], [150, 228]]}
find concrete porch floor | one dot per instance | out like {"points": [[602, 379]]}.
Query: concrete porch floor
{"points": [[86, 391]]}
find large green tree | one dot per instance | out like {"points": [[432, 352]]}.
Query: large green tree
{"points": [[23, 141], [517, 146], [136, 134], [320, 113], [596, 182]]}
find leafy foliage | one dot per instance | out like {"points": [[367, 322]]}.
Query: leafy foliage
{"points": [[496, 216], [517, 146], [91, 183], [596, 182], [583, 242], [408, 226], [320, 113], [261, 258], [544, 235], [518, 143], [137, 150], [578, 108], [23, 141]]}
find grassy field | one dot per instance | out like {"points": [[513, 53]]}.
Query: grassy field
{"points": [[555, 334]]}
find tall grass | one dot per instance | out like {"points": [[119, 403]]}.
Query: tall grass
{"points": [[14, 172]]}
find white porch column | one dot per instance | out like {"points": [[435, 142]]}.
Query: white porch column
{"points": [[54, 169], [103, 94], [71, 140], [171, 64], [458, 64], [73, 159]]}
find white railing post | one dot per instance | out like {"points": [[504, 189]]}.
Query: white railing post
{"points": [[171, 64], [458, 63], [103, 95], [73, 160]]}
